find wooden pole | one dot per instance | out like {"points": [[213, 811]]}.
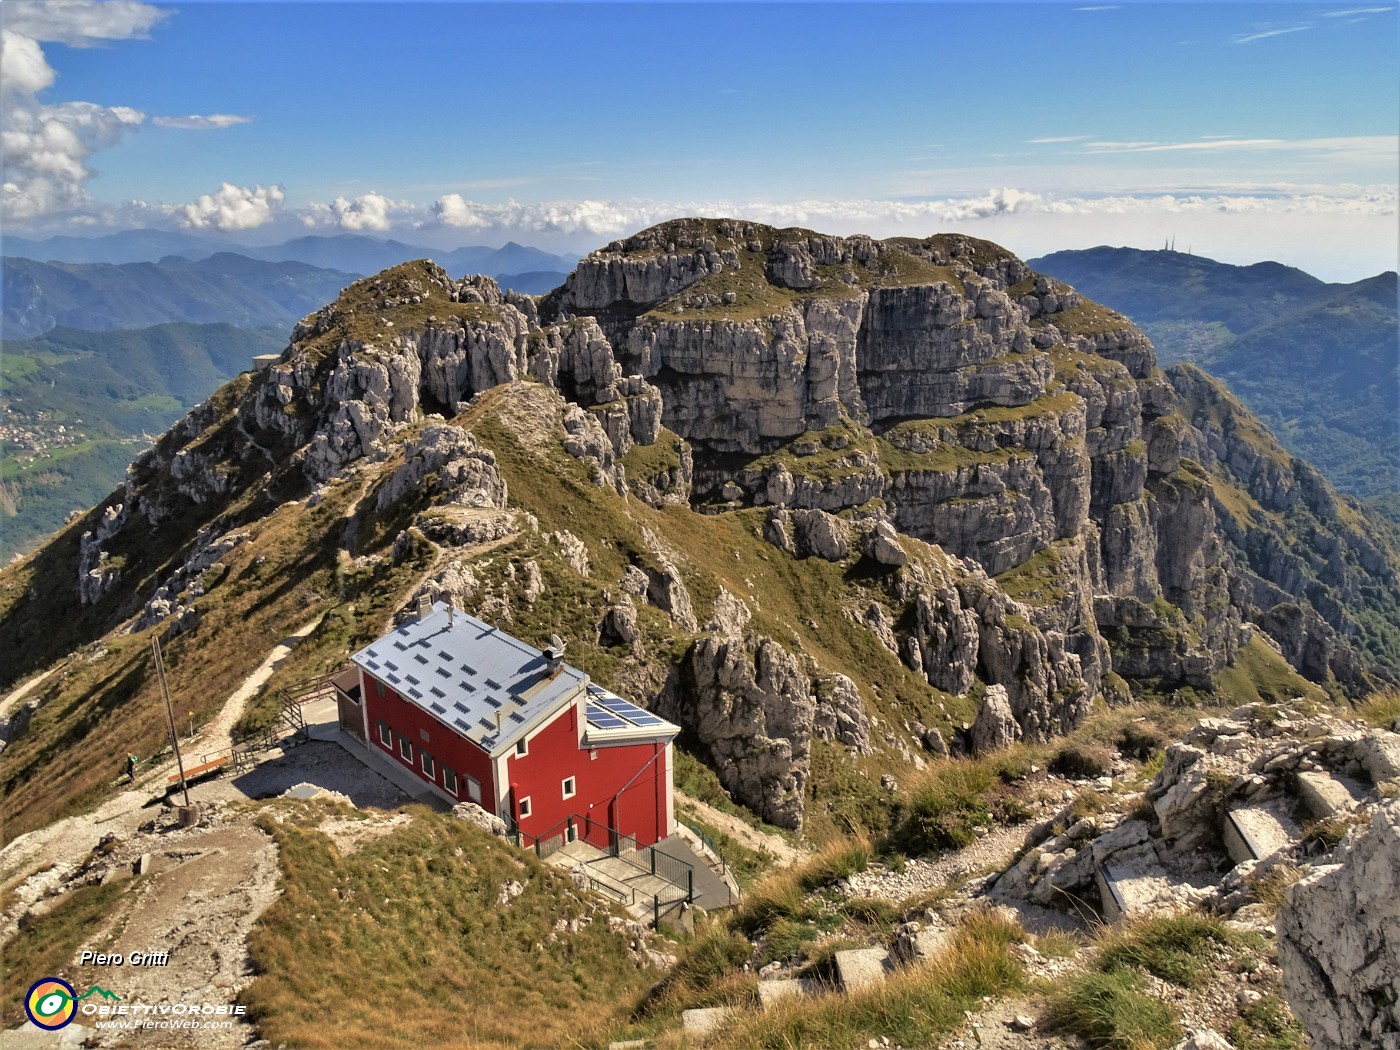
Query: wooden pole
{"points": [[170, 712]]}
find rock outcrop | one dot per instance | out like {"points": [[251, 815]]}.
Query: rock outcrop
{"points": [[1339, 941], [1230, 804], [750, 706], [982, 470]]}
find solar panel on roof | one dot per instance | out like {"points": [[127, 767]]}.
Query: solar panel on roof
{"points": [[604, 719], [634, 714]]}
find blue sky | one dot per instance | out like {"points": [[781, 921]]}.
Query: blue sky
{"points": [[1247, 131]]}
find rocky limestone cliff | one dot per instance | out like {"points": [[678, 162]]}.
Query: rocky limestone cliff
{"points": [[1029, 510]]}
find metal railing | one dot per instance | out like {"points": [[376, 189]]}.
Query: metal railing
{"points": [[710, 844], [647, 859]]}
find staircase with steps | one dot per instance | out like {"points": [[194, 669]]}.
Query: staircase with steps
{"points": [[644, 895]]}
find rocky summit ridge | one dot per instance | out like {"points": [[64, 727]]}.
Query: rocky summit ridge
{"points": [[973, 505]]}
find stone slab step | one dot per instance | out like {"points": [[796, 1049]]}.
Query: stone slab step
{"points": [[1259, 831], [1326, 794], [706, 1020], [861, 968], [786, 989], [912, 947], [1135, 882]]}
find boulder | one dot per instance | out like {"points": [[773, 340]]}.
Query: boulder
{"points": [[474, 814], [1339, 941], [619, 624], [883, 546], [996, 726]]}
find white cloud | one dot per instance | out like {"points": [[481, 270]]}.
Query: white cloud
{"points": [[1379, 147], [1264, 34], [232, 208], [46, 150], [452, 210], [81, 23], [1059, 138], [370, 211], [1100, 7], [1358, 11], [23, 69], [195, 122], [882, 217], [47, 146]]}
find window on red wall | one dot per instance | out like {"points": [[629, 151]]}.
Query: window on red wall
{"points": [[449, 780], [568, 787], [473, 789], [405, 748], [524, 807], [386, 735], [427, 761]]}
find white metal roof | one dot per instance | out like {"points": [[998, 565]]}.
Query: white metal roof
{"points": [[471, 676]]}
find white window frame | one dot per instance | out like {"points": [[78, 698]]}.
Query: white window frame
{"points": [[522, 748], [405, 748], [524, 808], [386, 735], [569, 785], [425, 760], [474, 789], [449, 780]]}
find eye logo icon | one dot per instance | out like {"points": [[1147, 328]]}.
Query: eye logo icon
{"points": [[51, 1003]]}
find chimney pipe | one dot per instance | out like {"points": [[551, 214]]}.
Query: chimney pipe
{"points": [[554, 656], [425, 606]]}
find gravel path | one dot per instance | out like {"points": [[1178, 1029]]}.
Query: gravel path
{"points": [[992, 852], [743, 833], [67, 841]]}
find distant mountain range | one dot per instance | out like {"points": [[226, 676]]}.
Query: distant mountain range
{"points": [[222, 288], [145, 277], [1317, 361], [351, 253]]}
